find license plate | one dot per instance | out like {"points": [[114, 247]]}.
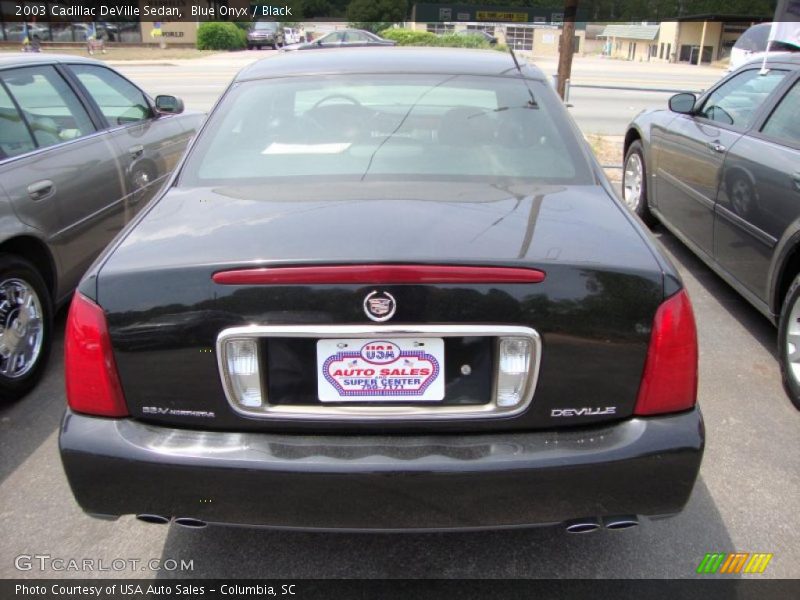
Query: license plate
{"points": [[380, 370]]}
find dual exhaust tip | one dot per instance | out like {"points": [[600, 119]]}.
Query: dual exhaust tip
{"points": [[592, 524], [189, 522], [576, 526]]}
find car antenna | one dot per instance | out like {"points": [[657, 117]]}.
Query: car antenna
{"points": [[532, 102]]}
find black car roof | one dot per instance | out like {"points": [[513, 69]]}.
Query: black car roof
{"points": [[351, 30], [27, 59], [387, 60]]}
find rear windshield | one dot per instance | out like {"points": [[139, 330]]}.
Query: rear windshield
{"points": [[268, 25], [368, 127]]}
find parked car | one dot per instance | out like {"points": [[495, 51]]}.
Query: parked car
{"points": [[265, 33], [291, 35], [479, 33], [17, 32], [82, 149], [752, 45], [430, 310], [722, 172], [343, 38]]}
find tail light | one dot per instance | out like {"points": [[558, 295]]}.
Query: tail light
{"points": [[669, 382], [93, 385], [514, 363], [245, 379]]}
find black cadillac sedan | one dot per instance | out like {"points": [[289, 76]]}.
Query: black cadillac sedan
{"points": [[385, 289], [722, 172]]}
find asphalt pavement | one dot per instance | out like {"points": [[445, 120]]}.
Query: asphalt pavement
{"points": [[745, 498], [200, 81]]}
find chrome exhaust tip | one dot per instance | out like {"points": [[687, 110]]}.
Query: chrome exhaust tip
{"points": [[582, 526], [156, 519], [621, 522], [190, 522]]}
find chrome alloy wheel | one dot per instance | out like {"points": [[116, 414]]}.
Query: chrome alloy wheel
{"points": [[140, 178], [632, 181], [741, 197], [21, 328], [793, 341]]}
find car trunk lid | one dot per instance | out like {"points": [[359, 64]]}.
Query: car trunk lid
{"points": [[593, 311]]}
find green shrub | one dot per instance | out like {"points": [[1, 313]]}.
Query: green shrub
{"points": [[408, 37], [367, 12], [220, 36], [374, 27], [451, 40]]}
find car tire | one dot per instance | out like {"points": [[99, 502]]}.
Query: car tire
{"points": [[258, 47], [789, 330], [32, 337], [634, 183]]}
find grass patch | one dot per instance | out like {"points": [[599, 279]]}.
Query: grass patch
{"points": [[608, 150]]}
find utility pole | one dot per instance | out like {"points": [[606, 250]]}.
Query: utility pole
{"points": [[566, 45]]}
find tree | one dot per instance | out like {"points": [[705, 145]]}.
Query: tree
{"points": [[316, 8], [566, 46], [376, 15]]}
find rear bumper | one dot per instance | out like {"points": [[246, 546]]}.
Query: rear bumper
{"points": [[636, 467]]}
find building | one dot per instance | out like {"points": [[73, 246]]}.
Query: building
{"points": [[542, 39], [696, 40], [631, 42], [715, 34]]}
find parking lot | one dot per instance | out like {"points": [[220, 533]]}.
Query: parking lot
{"points": [[745, 498], [199, 83]]}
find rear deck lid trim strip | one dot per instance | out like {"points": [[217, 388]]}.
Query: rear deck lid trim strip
{"points": [[378, 274]]}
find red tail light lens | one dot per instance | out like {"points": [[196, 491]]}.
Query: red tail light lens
{"points": [[93, 385], [669, 383], [378, 274]]}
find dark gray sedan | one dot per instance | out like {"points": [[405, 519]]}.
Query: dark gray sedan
{"points": [[344, 38], [722, 172], [82, 149]]}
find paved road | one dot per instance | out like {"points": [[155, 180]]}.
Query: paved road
{"points": [[745, 499], [199, 82], [608, 112]]}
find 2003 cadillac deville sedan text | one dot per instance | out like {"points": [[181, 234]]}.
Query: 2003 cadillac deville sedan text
{"points": [[386, 289]]}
